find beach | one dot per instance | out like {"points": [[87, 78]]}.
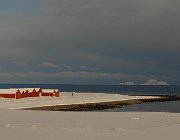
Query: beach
{"points": [[66, 98], [26, 124]]}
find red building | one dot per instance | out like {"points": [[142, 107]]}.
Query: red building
{"points": [[28, 92], [50, 92], [10, 93]]}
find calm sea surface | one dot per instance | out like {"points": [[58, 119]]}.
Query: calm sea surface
{"points": [[119, 89]]}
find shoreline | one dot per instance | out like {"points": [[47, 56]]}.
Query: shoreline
{"points": [[104, 105]]}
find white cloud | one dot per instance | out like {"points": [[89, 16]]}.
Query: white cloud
{"points": [[155, 82], [48, 64], [83, 67], [128, 83]]}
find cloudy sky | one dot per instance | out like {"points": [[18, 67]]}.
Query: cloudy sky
{"points": [[96, 41]]}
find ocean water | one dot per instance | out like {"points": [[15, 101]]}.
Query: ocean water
{"points": [[173, 106]]}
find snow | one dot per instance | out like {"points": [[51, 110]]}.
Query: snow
{"points": [[19, 124], [65, 98], [46, 125]]}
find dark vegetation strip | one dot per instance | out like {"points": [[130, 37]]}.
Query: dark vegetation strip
{"points": [[103, 105]]}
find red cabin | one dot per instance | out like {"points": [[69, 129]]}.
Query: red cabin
{"points": [[28, 92], [31, 92], [57, 93], [50, 92], [10, 93]]}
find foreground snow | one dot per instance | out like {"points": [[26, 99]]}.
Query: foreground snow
{"points": [[45, 125], [65, 99], [35, 125]]}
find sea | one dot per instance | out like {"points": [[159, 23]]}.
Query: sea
{"points": [[172, 106]]}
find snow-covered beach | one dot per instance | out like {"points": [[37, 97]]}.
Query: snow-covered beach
{"points": [[66, 98], [45, 125]]}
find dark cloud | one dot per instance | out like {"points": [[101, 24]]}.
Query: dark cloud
{"points": [[136, 37]]}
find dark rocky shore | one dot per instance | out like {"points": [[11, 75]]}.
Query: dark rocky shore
{"points": [[103, 105]]}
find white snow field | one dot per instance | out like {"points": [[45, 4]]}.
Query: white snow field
{"points": [[56, 125], [45, 125], [65, 98]]}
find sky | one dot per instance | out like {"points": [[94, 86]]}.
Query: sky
{"points": [[89, 42]]}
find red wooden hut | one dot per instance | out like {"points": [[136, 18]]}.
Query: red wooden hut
{"points": [[50, 92], [30, 92], [10, 93]]}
